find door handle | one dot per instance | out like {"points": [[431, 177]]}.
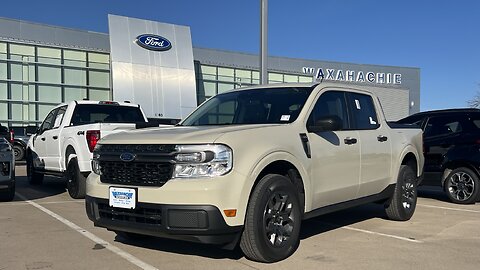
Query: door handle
{"points": [[382, 138], [349, 140], [55, 137], [43, 138]]}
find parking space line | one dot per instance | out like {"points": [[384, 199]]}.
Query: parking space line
{"points": [[374, 233], [127, 256], [449, 208], [41, 203]]}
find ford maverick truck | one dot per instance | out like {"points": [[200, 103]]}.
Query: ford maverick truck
{"points": [[247, 166], [64, 142]]}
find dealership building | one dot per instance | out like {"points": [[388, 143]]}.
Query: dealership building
{"points": [[155, 65]]}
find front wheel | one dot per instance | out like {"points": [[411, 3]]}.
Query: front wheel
{"points": [[272, 222], [404, 200], [76, 181], [462, 186]]}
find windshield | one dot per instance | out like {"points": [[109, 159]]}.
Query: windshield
{"points": [[256, 106], [96, 113]]}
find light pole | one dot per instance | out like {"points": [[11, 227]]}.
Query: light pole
{"points": [[263, 41]]}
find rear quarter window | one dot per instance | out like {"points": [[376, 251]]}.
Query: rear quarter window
{"points": [[96, 113]]}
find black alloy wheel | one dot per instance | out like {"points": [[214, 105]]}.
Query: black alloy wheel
{"points": [[462, 186]]}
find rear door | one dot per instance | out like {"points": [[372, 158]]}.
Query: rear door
{"points": [[375, 144], [335, 154]]}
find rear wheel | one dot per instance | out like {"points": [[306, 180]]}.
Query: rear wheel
{"points": [[462, 186], [34, 178], [272, 222], [404, 200], [76, 181], [19, 152]]}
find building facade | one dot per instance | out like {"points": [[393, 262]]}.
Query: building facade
{"points": [[42, 66]]}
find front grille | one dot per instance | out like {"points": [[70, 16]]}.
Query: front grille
{"points": [[143, 215], [135, 173], [152, 164]]}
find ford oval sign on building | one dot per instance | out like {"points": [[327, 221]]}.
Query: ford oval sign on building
{"points": [[153, 42]]}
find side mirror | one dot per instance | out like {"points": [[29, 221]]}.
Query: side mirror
{"points": [[326, 123], [31, 130]]}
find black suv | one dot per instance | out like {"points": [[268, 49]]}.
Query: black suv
{"points": [[451, 141]]}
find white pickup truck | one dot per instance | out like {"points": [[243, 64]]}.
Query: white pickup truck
{"points": [[249, 165], [64, 142]]}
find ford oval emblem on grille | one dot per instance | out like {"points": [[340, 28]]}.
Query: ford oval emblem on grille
{"points": [[127, 157]]}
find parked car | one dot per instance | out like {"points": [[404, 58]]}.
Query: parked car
{"points": [[452, 151], [64, 142], [250, 164], [20, 142], [6, 133], [7, 171]]}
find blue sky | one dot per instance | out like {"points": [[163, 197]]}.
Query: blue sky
{"points": [[440, 37]]}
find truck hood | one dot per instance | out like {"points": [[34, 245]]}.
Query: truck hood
{"points": [[176, 135]]}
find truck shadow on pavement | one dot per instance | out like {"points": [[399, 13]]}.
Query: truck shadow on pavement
{"points": [[430, 192], [51, 187]]}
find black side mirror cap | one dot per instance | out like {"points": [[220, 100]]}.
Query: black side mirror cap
{"points": [[326, 123]]}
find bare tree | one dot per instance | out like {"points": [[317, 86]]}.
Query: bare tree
{"points": [[475, 101]]}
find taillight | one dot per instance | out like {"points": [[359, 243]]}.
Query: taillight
{"points": [[93, 136], [12, 135]]}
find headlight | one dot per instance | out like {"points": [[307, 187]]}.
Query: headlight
{"points": [[96, 164], [206, 160]]}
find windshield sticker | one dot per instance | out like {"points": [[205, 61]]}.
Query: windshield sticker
{"points": [[285, 117], [358, 104], [372, 122]]}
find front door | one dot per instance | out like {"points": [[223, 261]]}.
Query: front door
{"points": [[335, 154], [53, 141], [40, 141]]}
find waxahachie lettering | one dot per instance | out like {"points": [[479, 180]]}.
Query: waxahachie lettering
{"points": [[353, 76]]}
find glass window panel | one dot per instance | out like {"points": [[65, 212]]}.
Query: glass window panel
{"points": [[49, 74], [31, 92], [74, 55], [17, 112], [75, 94], [22, 50], [49, 52], [3, 71], [28, 73], [16, 91], [222, 87], [225, 74], [290, 78], [208, 70], [99, 94], [31, 112], [305, 79], [256, 81], [51, 94], [209, 89], [75, 76], [3, 47], [43, 110], [3, 91], [275, 77], [16, 72], [243, 76], [99, 58], [99, 65], [208, 77], [3, 111], [99, 79], [256, 75]]}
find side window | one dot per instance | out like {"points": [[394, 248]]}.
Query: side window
{"points": [[48, 122], [363, 111], [331, 103], [441, 126], [59, 117]]}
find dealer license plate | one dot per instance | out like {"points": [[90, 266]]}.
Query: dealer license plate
{"points": [[122, 197]]}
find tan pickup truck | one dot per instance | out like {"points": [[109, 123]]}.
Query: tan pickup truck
{"points": [[247, 166]]}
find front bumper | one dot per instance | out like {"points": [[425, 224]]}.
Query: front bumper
{"points": [[195, 223]]}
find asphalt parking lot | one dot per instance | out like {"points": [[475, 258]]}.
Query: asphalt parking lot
{"points": [[43, 228]]}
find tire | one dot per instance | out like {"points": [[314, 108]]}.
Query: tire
{"points": [[8, 194], [19, 152], [76, 181], [402, 204], [272, 221], [462, 186], [34, 178]]}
